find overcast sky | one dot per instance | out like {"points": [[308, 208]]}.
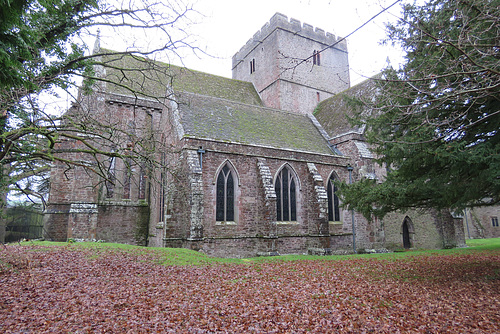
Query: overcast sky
{"points": [[228, 24], [224, 26]]}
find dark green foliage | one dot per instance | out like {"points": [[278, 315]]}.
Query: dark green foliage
{"points": [[36, 54], [34, 42], [435, 121]]}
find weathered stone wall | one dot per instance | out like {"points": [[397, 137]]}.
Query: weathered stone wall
{"points": [[254, 229], [82, 221], [479, 221], [243, 247], [369, 233], [71, 183], [283, 80], [84, 206], [428, 229], [177, 222], [123, 223], [423, 230], [55, 222]]}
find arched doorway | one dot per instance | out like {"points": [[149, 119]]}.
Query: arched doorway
{"points": [[407, 230]]}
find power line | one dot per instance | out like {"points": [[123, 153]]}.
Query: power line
{"points": [[348, 35], [361, 26]]}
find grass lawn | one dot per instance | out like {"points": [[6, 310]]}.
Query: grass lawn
{"points": [[180, 256]]}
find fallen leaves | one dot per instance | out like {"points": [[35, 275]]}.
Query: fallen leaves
{"points": [[73, 290]]}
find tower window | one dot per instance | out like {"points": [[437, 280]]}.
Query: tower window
{"points": [[494, 221], [316, 60], [252, 66], [127, 178]]}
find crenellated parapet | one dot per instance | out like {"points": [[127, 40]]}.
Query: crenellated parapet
{"points": [[280, 21]]}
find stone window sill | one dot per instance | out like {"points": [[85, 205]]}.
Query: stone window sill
{"points": [[335, 223], [287, 223], [225, 223]]}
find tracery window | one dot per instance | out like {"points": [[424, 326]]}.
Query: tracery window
{"points": [[286, 199], [224, 210], [333, 200]]}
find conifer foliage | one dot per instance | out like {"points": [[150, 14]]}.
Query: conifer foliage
{"points": [[434, 123]]}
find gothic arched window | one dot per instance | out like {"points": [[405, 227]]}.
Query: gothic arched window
{"points": [[333, 200], [224, 210], [286, 201]]}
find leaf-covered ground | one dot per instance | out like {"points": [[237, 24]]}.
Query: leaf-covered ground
{"points": [[69, 289]]}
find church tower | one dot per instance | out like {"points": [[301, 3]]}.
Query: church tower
{"points": [[293, 66]]}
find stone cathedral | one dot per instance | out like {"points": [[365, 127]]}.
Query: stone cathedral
{"points": [[248, 162]]}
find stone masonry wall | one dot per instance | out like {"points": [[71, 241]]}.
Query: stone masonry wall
{"points": [[423, 233], [281, 80], [480, 224], [83, 206], [428, 230], [255, 230], [123, 224]]}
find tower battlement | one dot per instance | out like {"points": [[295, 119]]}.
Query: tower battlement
{"points": [[281, 21]]}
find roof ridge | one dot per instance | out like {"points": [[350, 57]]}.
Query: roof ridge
{"points": [[247, 104], [110, 52]]}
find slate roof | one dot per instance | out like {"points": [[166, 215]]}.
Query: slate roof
{"points": [[150, 79], [334, 113], [214, 107], [231, 121]]}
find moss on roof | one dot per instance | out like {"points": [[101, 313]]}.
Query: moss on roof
{"points": [[230, 121], [334, 113], [128, 74], [211, 106]]}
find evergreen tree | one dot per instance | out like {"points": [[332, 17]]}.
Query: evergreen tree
{"points": [[435, 121]]}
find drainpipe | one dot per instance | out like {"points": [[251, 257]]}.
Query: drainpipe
{"points": [[350, 169]]}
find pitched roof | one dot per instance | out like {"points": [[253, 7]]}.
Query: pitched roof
{"points": [[133, 75], [334, 113], [213, 107], [232, 121]]}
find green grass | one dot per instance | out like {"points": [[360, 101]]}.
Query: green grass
{"points": [[165, 256], [180, 256], [484, 244]]}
